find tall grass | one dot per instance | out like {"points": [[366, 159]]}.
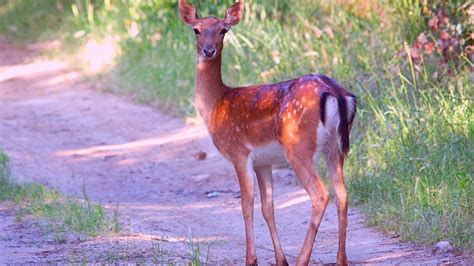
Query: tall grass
{"points": [[413, 169], [411, 162]]}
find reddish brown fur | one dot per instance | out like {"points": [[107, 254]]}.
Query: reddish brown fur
{"points": [[286, 112], [243, 120]]}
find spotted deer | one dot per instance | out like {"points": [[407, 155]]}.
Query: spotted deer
{"points": [[258, 126]]}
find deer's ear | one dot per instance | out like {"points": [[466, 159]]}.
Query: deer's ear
{"points": [[188, 13], [234, 14]]}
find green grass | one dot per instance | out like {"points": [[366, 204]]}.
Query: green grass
{"points": [[5, 182], [410, 167], [64, 214], [413, 171]]}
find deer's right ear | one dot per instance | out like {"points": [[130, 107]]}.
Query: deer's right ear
{"points": [[188, 13], [234, 14]]}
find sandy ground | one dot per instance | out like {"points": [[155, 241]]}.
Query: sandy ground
{"points": [[64, 132]]}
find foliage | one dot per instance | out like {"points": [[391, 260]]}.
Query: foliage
{"points": [[413, 169], [413, 142], [418, 141]]}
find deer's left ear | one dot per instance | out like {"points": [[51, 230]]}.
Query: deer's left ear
{"points": [[188, 13], [234, 14]]}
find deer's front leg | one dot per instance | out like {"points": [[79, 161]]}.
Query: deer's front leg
{"points": [[265, 184], [246, 182]]}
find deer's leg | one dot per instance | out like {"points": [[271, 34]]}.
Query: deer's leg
{"points": [[242, 167], [335, 164], [265, 184], [302, 163]]}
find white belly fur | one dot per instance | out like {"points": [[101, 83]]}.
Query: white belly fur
{"points": [[271, 153]]}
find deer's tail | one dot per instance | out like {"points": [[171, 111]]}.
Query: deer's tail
{"points": [[338, 104]]}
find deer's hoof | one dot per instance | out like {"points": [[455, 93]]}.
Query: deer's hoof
{"points": [[252, 261], [282, 262]]}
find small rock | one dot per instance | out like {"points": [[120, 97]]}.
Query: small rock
{"points": [[212, 194], [108, 157], [393, 235], [443, 247], [200, 156], [201, 177]]}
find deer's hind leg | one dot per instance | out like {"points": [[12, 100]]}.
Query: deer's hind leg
{"points": [[335, 163], [300, 156]]}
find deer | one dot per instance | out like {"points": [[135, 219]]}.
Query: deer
{"points": [[255, 127]]}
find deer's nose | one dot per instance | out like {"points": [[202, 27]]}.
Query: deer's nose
{"points": [[209, 52]]}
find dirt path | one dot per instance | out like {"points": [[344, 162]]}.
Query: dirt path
{"points": [[59, 130]]}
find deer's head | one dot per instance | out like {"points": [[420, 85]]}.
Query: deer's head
{"points": [[210, 31]]}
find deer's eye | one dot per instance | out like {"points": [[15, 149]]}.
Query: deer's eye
{"points": [[197, 31], [224, 31]]}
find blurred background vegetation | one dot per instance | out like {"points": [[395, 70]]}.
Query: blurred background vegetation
{"points": [[409, 61]]}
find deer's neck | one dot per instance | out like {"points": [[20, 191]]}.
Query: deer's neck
{"points": [[209, 87]]}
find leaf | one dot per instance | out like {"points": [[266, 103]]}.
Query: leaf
{"points": [[415, 54], [422, 39], [445, 35], [434, 23], [329, 32], [429, 47]]}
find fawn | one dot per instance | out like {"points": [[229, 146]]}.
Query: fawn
{"points": [[257, 126]]}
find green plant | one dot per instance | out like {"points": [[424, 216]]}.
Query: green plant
{"points": [[5, 182], [196, 251], [160, 255], [63, 213]]}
